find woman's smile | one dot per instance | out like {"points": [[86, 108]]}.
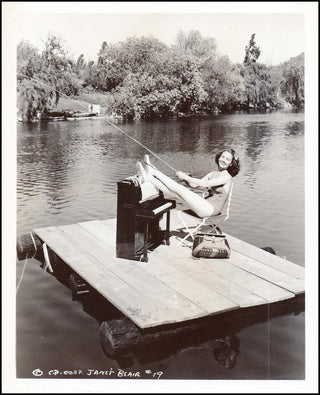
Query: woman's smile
{"points": [[225, 160]]}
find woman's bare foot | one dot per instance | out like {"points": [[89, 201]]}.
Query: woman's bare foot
{"points": [[142, 172], [146, 160]]}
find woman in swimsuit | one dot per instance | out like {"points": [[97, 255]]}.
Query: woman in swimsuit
{"points": [[217, 184]]}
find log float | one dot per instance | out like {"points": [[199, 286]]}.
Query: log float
{"points": [[28, 245], [120, 335]]}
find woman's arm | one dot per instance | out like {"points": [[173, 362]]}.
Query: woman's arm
{"points": [[206, 181]]}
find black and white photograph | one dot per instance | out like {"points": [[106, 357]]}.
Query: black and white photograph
{"points": [[160, 197]]}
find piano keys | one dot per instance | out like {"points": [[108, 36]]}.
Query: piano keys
{"points": [[140, 207]]}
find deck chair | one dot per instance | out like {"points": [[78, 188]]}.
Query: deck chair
{"points": [[196, 223]]}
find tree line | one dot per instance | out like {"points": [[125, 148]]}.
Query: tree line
{"points": [[143, 78]]}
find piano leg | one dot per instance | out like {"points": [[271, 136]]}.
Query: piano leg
{"points": [[145, 243], [167, 234]]}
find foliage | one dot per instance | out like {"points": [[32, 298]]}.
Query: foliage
{"points": [[292, 82], [223, 84], [117, 61], [252, 51], [50, 75], [142, 78], [194, 44], [258, 85], [260, 92], [168, 84]]}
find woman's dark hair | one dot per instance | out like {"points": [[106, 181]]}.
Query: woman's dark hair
{"points": [[234, 167]]}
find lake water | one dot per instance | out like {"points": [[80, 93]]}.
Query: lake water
{"points": [[67, 173]]}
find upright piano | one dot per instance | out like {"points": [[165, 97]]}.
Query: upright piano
{"points": [[140, 207]]}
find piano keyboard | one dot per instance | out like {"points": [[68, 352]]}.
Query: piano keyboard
{"points": [[161, 208]]}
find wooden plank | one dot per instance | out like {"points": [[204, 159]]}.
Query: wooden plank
{"points": [[202, 268], [158, 262], [136, 274], [246, 263], [129, 301], [265, 257], [283, 265], [215, 271], [163, 297], [102, 230], [190, 288], [267, 272], [265, 289], [254, 284], [200, 278], [172, 287]]}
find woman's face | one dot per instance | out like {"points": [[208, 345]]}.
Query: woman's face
{"points": [[225, 160]]}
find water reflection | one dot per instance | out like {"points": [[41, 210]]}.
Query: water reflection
{"points": [[220, 333], [294, 129], [227, 351], [67, 173], [258, 137]]}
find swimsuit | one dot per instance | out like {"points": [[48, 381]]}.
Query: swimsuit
{"points": [[217, 196]]}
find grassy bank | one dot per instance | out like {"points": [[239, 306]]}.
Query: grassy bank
{"points": [[81, 103]]}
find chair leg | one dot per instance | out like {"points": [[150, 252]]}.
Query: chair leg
{"points": [[190, 232]]}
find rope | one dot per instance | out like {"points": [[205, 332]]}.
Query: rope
{"points": [[22, 274], [46, 258], [34, 243]]}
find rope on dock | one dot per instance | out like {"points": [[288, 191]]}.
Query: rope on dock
{"points": [[26, 261], [34, 243], [22, 274], [46, 258]]}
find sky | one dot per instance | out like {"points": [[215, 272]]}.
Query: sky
{"points": [[279, 29]]}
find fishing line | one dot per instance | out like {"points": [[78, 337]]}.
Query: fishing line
{"points": [[142, 145], [110, 123]]}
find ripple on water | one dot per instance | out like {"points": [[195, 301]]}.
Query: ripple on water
{"points": [[68, 172]]}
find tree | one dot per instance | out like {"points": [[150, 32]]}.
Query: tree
{"points": [[50, 74], [57, 68], [259, 89], [31, 96], [223, 84], [194, 44], [252, 51], [28, 60], [117, 61], [292, 86]]}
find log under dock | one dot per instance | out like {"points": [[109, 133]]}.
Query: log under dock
{"points": [[172, 287]]}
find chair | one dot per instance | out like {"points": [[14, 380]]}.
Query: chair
{"points": [[214, 221]]}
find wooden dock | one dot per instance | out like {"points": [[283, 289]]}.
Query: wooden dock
{"points": [[172, 287]]}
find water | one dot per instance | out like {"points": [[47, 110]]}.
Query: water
{"points": [[67, 173]]}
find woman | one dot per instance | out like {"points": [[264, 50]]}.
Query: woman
{"points": [[217, 184]]}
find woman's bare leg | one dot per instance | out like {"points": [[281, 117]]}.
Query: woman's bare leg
{"points": [[147, 177], [195, 202]]}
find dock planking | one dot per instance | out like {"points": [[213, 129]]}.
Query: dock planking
{"points": [[172, 287]]}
